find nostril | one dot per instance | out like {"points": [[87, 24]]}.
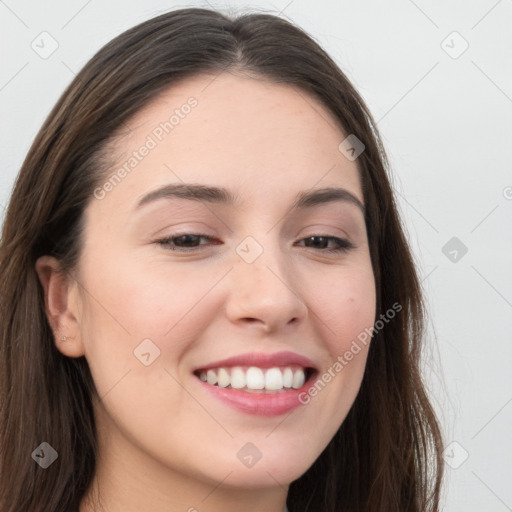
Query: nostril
{"points": [[251, 320]]}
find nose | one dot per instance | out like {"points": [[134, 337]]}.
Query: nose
{"points": [[264, 293]]}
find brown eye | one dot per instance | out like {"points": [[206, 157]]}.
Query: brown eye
{"points": [[188, 241], [322, 243]]}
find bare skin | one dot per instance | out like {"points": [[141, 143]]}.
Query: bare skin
{"points": [[166, 443]]}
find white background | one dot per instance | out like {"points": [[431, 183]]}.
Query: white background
{"points": [[447, 125]]}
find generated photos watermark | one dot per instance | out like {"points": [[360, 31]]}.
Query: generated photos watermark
{"points": [[156, 136], [363, 338]]}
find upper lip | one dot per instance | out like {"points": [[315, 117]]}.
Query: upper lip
{"points": [[284, 358]]}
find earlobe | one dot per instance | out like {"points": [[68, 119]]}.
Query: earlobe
{"points": [[58, 286]]}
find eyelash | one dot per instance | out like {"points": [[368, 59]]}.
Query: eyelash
{"points": [[343, 244]]}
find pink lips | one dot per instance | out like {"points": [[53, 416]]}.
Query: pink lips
{"points": [[259, 404], [261, 360]]}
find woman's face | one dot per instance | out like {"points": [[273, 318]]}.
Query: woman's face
{"points": [[177, 279]]}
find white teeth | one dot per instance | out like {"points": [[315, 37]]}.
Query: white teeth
{"points": [[298, 379], [224, 379], [287, 378], [238, 378], [274, 379], [254, 378], [211, 377]]}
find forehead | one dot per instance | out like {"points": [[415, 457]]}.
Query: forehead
{"points": [[246, 133]]}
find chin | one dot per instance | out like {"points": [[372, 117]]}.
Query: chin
{"points": [[277, 469]]}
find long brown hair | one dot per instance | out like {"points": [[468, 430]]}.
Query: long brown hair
{"points": [[386, 456]]}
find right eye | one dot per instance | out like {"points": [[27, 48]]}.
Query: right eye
{"points": [[185, 242]]}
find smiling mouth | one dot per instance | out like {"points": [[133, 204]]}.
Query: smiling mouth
{"points": [[253, 379]]}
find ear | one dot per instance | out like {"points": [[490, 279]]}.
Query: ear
{"points": [[60, 297]]}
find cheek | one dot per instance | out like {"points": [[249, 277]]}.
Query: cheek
{"points": [[136, 315], [148, 300], [345, 305], [127, 304]]}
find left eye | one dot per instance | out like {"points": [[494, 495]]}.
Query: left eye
{"points": [[322, 243], [191, 241]]}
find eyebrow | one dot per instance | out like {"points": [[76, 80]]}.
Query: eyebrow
{"points": [[221, 195]]}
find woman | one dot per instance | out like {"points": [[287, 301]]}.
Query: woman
{"points": [[208, 300]]}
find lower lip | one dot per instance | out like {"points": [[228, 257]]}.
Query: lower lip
{"points": [[258, 404]]}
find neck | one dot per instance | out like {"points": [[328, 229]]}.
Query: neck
{"points": [[129, 480]]}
